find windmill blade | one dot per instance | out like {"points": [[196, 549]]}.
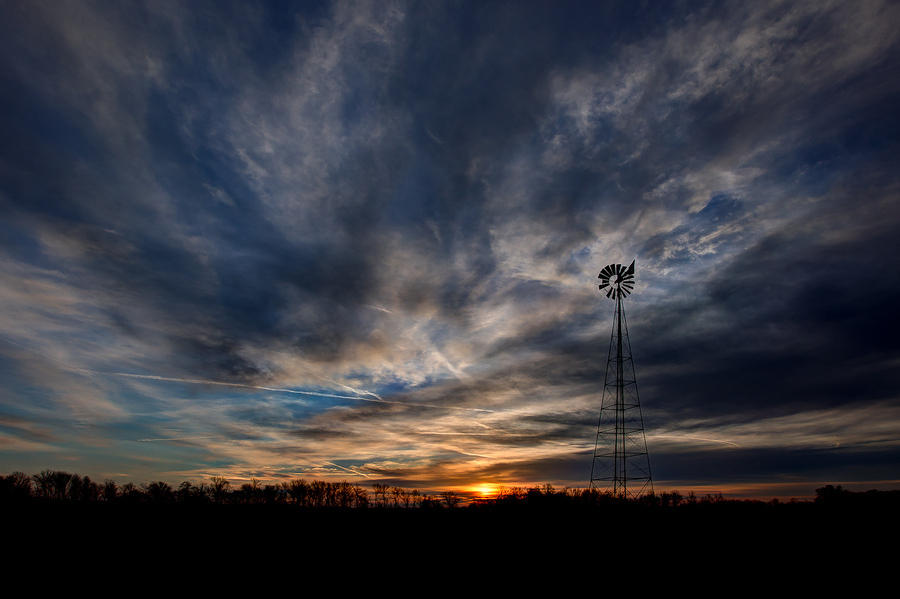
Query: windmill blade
{"points": [[601, 286], [607, 271], [611, 289]]}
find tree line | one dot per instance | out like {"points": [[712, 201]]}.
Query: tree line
{"points": [[56, 486]]}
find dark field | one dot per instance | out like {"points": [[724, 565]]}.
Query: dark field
{"points": [[538, 525]]}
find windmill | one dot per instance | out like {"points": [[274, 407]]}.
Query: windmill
{"points": [[621, 462]]}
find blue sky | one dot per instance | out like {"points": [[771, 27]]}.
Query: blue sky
{"points": [[360, 240]]}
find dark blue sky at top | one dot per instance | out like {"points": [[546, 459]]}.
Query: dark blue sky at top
{"points": [[385, 221]]}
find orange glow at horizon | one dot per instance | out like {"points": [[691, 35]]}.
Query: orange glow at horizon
{"points": [[485, 489]]}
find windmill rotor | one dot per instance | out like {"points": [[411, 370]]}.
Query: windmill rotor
{"points": [[617, 280]]}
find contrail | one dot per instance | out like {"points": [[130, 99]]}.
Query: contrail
{"points": [[379, 308], [461, 434], [348, 469], [722, 441], [357, 391], [695, 438], [154, 377], [178, 438]]}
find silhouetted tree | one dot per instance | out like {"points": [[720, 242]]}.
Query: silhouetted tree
{"points": [[219, 488], [430, 503], [159, 492], [131, 494], [318, 493], [89, 490], [361, 497], [15, 487], [330, 491], [251, 492], [675, 498], [184, 492], [450, 498], [272, 494], [73, 488], [189, 493], [298, 491], [830, 495], [381, 490], [52, 485], [110, 491]]}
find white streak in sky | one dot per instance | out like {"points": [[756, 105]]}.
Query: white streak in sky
{"points": [[357, 391], [694, 438], [154, 377], [379, 308], [177, 438], [348, 469]]}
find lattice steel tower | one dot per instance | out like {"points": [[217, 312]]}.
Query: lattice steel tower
{"points": [[621, 462]]}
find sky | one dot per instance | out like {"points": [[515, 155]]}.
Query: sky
{"points": [[360, 240]]}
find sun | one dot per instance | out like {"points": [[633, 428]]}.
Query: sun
{"points": [[485, 489]]}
